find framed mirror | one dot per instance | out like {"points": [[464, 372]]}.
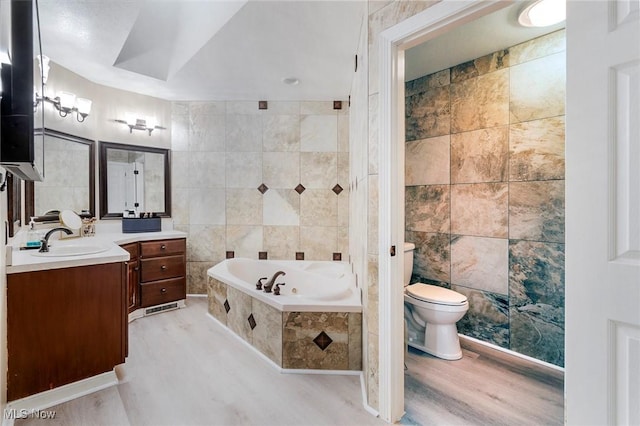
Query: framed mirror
{"points": [[134, 177], [14, 204], [69, 182]]}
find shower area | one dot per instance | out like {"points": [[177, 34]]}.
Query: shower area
{"points": [[484, 191]]}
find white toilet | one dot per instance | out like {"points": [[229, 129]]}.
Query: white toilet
{"points": [[431, 313]]}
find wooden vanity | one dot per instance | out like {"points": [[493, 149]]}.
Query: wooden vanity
{"points": [[64, 325], [156, 272], [67, 317]]}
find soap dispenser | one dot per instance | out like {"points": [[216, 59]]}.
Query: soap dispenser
{"points": [[33, 236]]}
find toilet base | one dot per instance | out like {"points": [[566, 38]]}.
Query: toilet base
{"points": [[442, 341]]}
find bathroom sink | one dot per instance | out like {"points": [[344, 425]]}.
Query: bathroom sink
{"points": [[72, 250]]}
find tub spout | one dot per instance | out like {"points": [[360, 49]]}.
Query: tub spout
{"points": [[269, 285]]}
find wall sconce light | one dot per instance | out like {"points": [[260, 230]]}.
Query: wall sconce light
{"points": [[134, 123], [65, 102]]}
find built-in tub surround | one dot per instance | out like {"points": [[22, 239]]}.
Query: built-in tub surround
{"points": [[485, 192], [247, 180], [315, 323]]}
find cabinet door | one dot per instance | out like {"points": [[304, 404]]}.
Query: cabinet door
{"points": [[133, 287], [64, 325]]}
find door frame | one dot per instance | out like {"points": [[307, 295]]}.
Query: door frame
{"points": [[393, 41]]}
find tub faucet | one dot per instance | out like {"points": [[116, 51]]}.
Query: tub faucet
{"points": [[269, 285], [44, 243]]}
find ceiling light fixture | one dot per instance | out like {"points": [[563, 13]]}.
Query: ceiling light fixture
{"points": [[134, 123], [543, 13], [291, 81]]}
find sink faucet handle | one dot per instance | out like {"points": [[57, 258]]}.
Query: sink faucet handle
{"points": [[259, 283], [276, 289]]}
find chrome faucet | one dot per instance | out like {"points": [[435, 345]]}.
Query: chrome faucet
{"points": [[44, 243], [269, 285]]}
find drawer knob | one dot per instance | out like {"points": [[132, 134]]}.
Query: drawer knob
{"points": [[163, 290], [162, 247], [163, 267]]}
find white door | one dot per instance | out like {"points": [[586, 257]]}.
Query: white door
{"points": [[121, 184], [602, 378]]}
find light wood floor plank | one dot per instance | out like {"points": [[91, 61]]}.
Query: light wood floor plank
{"points": [[185, 369]]}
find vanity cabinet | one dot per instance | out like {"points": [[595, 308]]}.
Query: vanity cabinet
{"points": [[64, 325], [163, 271], [159, 274]]}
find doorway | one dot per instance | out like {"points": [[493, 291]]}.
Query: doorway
{"points": [[598, 387], [442, 19]]}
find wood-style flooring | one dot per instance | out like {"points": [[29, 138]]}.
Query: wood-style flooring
{"points": [[185, 369], [485, 387]]}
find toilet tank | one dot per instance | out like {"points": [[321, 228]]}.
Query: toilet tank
{"points": [[408, 262]]}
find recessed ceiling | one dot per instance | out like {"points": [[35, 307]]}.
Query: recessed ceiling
{"points": [[208, 49], [243, 50]]}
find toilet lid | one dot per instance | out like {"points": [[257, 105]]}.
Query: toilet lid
{"points": [[435, 294]]}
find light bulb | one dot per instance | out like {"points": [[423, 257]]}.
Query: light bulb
{"points": [[67, 100], [543, 13], [83, 106]]}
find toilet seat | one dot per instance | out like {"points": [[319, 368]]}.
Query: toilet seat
{"points": [[435, 294]]}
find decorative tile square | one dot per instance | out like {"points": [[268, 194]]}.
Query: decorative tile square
{"points": [[480, 209], [480, 263], [536, 210], [337, 104], [480, 155], [428, 114], [427, 161], [300, 188], [263, 105], [432, 256], [262, 255], [299, 255], [263, 188], [337, 256], [337, 189], [322, 340], [538, 88], [480, 102], [230, 255], [536, 150], [318, 170], [252, 321], [227, 307], [427, 208]]}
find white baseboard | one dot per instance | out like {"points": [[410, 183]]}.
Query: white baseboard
{"points": [[365, 400], [50, 398]]}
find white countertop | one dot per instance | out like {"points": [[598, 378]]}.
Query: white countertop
{"points": [[25, 261]]}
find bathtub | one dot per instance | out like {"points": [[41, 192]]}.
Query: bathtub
{"points": [[310, 286], [314, 324]]}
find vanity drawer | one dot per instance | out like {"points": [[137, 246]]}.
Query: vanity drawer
{"points": [[162, 248], [132, 248], [160, 268], [162, 291]]}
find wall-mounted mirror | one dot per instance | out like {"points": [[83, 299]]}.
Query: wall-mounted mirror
{"points": [[14, 203], [69, 183], [134, 178]]}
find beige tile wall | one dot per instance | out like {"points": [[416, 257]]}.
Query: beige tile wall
{"points": [[222, 152], [485, 191]]}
